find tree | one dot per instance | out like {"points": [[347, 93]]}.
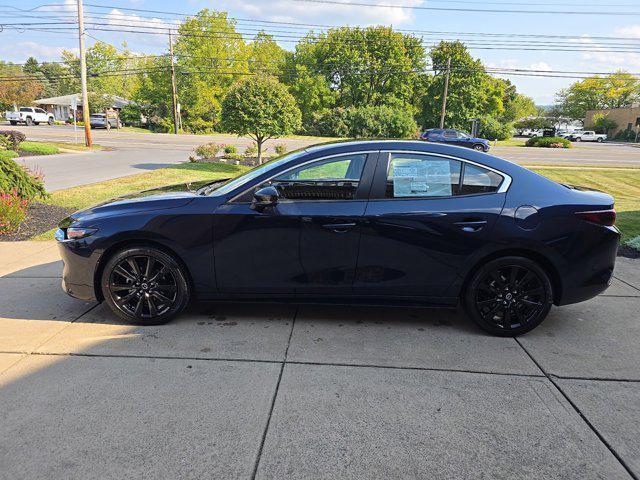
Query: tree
{"points": [[262, 108], [612, 91], [602, 123], [364, 66], [210, 54], [265, 55], [98, 103], [16, 87], [472, 92]]}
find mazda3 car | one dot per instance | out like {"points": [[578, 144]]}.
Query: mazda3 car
{"points": [[370, 222]]}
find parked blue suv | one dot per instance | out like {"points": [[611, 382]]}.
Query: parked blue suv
{"points": [[455, 137]]}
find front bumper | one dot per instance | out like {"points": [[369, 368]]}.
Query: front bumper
{"points": [[80, 263]]}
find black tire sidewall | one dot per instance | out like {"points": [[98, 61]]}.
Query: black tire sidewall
{"points": [[183, 291], [472, 286]]}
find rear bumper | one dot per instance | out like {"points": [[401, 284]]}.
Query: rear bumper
{"points": [[79, 269], [592, 274]]}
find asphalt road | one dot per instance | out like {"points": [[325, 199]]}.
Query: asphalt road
{"points": [[238, 391], [132, 152]]}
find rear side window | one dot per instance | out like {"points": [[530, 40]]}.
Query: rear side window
{"points": [[416, 175], [25, 109], [479, 180]]}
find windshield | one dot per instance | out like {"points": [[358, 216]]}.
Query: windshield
{"points": [[255, 173]]}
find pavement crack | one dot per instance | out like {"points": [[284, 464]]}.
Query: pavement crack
{"points": [[552, 379], [275, 395], [626, 283]]}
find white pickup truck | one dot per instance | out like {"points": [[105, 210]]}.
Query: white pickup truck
{"points": [[587, 136], [29, 116]]}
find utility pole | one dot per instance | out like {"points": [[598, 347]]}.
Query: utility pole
{"points": [[174, 95], [446, 91], [83, 77]]}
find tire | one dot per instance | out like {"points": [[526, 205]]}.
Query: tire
{"points": [[599, 140], [495, 300], [577, 139], [479, 148], [29, 121], [50, 121], [36, 123], [137, 296], [13, 122]]}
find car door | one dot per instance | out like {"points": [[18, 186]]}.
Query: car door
{"points": [[426, 216], [451, 136], [307, 243]]}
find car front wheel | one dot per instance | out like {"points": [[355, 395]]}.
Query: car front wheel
{"points": [[145, 286], [508, 296], [479, 148]]}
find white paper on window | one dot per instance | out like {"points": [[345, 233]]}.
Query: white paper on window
{"points": [[421, 178]]}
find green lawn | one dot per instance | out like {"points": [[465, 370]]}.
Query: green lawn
{"points": [[39, 148], [512, 142], [622, 183]]}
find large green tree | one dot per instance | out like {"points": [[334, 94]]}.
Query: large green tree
{"points": [[209, 56], [612, 91], [472, 92], [262, 108]]}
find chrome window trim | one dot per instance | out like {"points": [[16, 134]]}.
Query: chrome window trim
{"points": [[344, 154], [504, 185]]}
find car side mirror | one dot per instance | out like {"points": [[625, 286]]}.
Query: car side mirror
{"points": [[265, 197]]}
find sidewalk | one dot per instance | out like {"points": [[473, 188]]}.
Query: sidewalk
{"points": [[283, 391]]}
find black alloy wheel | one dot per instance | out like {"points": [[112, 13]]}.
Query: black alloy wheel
{"points": [[509, 296], [144, 285]]}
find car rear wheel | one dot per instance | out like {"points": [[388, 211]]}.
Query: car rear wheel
{"points": [[13, 122], [599, 140], [29, 121], [145, 286], [50, 121], [508, 296], [577, 139]]}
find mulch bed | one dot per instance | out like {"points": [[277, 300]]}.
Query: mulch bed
{"points": [[628, 252], [40, 218]]}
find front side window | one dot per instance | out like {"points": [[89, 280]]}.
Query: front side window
{"points": [[416, 175], [335, 178]]}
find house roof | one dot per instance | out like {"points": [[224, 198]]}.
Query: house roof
{"points": [[67, 100]]}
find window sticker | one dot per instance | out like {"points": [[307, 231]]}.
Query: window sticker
{"points": [[421, 178]]}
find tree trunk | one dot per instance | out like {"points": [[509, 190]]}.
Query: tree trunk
{"points": [[259, 143]]}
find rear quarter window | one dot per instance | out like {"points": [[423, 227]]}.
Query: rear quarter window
{"points": [[479, 180]]}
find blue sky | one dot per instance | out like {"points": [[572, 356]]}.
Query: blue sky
{"points": [[16, 46]]}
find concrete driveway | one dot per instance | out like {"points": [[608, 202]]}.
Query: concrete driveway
{"points": [[285, 391], [132, 152]]}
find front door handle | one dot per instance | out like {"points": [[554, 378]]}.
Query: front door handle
{"points": [[339, 227], [471, 226]]}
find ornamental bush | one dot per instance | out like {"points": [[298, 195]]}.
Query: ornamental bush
{"points": [[492, 129], [365, 122], [14, 138], [251, 150], [14, 178], [13, 211], [548, 142], [209, 150]]}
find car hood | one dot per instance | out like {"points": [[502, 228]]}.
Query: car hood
{"points": [[171, 196]]}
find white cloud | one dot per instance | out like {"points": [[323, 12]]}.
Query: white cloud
{"points": [[544, 66], [20, 51], [118, 20], [632, 31], [603, 57], [317, 13]]}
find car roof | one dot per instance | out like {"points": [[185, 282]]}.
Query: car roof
{"points": [[338, 147]]}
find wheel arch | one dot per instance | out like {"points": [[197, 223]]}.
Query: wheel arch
{"points": [[544, 262], [129, 243]]}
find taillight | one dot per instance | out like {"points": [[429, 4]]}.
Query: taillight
{"points": [[601, 217]]}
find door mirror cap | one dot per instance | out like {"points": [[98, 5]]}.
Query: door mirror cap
{"points": [[265, 197]]}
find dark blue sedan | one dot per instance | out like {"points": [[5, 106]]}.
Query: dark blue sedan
{"points": [[376, 222], [455, 137]]}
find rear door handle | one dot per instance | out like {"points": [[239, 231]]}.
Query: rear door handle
{"points": [[471, 226], [339, 227]]}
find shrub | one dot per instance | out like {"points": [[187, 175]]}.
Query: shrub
{"points": [[131, 115], [234, 156], [548, 142], [13, 211], [14, 137], [626, 136], [280, 149], [492, 129], [230, 149], [198, 125], [251, 150], [160, 124], [365, 122], [208, 150], [634, 242], [7, 154], [14, 178]]}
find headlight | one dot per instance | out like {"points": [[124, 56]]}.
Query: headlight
{"points": [[74, 233]]}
